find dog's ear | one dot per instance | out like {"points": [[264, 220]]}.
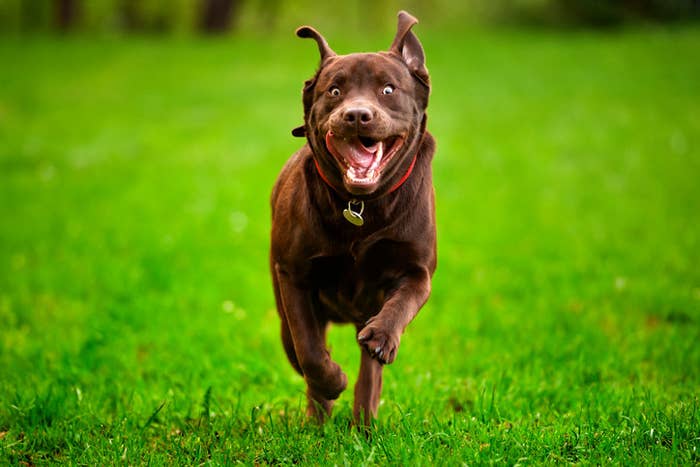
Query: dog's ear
{"points": [[326, 52], [323, 47], [407, 46], [299, 131]]}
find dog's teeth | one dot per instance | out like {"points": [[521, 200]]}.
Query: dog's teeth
{"points": [[377, 158]]}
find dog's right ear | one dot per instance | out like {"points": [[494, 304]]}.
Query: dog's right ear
{"points": [[326, 52], [323, 47]]}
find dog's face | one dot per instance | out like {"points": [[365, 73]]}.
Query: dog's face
{"points": [[365, 112]]}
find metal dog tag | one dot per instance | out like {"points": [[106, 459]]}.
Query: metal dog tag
{"points": [[354, 217]]}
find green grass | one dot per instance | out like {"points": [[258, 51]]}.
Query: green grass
{"points": [[137, 322]]}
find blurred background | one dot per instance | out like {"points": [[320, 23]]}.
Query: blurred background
{"points": [[272, 16], [139, 141]]}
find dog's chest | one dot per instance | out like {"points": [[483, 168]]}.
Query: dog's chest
{"points": [[353, 288]]}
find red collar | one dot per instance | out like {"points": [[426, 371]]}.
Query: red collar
{"points": [[393, 188]]}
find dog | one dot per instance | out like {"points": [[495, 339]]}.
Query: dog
{"points": [[353, 216]]}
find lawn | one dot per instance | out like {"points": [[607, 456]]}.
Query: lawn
{"points": [[137, 321]]}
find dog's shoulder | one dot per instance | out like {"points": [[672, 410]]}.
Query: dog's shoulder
{"points": [[291, 177], [296, 224]]}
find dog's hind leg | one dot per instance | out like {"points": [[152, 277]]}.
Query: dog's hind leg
{"points": [[285, 333], [319, 407], [323, 376], [288, 345], [368, 389]]}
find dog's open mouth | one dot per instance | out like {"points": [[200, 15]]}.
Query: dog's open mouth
{"points": [[362, 158]]}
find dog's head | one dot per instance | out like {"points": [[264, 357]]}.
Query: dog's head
{"points": [[364, 113]]}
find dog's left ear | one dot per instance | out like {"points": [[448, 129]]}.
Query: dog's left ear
{"points": [[407, 46]]}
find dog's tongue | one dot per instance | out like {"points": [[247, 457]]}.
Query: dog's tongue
{"points": [[363, 160]]}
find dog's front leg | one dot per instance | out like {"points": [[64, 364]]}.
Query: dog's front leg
{"points": [[368, 389], [324, 378], [382, 333]]}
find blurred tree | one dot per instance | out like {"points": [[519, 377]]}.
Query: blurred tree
{"points": [[272, 16], [615, 12], [144, 15], [217, 15], [35, 16], [65, 14], [10, 16]]}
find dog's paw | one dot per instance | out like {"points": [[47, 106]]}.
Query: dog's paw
{"points": [[382, 345]]}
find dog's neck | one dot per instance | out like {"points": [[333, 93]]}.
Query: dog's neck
{"points": [[353, 216]]}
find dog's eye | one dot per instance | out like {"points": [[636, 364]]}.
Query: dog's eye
{"points": [[334, 91], [388, 89]]}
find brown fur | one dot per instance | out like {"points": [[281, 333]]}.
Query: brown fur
{"points": [[376, 276]]}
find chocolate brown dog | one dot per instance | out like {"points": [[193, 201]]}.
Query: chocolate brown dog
{"points": [[353, 215]]}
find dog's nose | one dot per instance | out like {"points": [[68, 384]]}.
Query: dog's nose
{"points": [[357, 115]]}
